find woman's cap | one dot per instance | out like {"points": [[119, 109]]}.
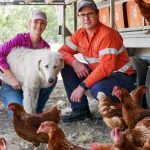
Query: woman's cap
{"points": [[38, 14], [86, 3]]}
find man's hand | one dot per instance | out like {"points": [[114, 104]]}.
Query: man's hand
{"points": [[77, 94], [80, 69]]}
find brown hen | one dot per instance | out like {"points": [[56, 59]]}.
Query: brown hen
{"points": [[140, 135], [138, 94], [120, 142], [3, 144], [57, 139], [145, 10], [26, 125], [131, 111], [110, 111]]}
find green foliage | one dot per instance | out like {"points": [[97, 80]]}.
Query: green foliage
{"points": [[14, 19]]}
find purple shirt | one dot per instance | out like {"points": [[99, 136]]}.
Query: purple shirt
{"points": [[20, 40]]}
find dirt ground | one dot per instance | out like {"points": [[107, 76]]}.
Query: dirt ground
{"points": [[82, 133]]}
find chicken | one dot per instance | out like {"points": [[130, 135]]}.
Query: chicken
{"points": [[132, 112], [3, 144], [120, 142], [144, 9], [57, 139], [26, 125], [140, 135], [138, 94], [110, 111]]}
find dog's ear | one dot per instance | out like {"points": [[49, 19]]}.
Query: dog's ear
{"points": [[40, 68], [39, 63]]}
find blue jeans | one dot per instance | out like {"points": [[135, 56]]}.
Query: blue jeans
{"points": [[9, 95], [71, 81]]}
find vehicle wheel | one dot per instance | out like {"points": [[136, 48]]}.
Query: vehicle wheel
{"points": [[141, 68], [148, 86]]}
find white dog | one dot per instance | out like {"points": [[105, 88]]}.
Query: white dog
{"points": [[34, 69]]}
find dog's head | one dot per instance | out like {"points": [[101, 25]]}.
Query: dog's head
{"points": [[50, 65]]}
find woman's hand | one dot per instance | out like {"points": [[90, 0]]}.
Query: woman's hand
{"points": [[13, 81], [80, 69]]}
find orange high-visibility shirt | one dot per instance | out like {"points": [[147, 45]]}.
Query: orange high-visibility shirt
{"points": [[105, 53]]}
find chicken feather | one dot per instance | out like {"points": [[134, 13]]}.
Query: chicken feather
{"points": [[110, 111], [141, 133]]}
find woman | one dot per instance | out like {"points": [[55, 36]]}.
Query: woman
{"points": [[33, 39]]}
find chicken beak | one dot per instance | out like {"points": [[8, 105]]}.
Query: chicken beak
{"points": [[113, 94], [39, 130]]}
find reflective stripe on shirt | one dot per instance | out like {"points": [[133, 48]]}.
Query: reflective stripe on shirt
{"points": [[71, 45], [111, 51], [91, 60], [124, 68], [121, 49]]}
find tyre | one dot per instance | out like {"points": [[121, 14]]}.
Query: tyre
{"points": [[141, 68], [148, 86]]}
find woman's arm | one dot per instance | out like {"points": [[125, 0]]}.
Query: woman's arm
{"points": [[5, 49]]}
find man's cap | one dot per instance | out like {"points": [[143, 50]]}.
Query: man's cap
{"points": [[38, 14], [86, 3]]}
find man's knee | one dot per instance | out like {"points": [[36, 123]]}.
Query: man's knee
{"points": [[101, 87], [95, 89]]}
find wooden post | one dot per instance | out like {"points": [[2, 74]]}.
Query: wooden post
{"points": [[64, 24], [75, 16], [112, 13]]}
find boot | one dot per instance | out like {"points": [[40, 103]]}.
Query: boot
{"points": [[78, 114]]}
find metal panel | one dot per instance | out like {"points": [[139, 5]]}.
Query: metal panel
{"points": [[34, 2], [136, 40]]}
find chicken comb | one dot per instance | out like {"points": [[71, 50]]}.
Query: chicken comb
{"points": [[145, 89], [11, 106], [93, 146], [115, 88], [2, 140]]}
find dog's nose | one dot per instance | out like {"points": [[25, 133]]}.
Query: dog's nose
{"points": [[51, 80]]}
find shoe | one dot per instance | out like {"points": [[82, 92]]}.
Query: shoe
{"points": [[77, 114]]}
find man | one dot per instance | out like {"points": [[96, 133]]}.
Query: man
{"points": [[108, 62]]}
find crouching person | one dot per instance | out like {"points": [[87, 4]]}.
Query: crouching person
{"points": [[32, 40], [108, 62]]}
